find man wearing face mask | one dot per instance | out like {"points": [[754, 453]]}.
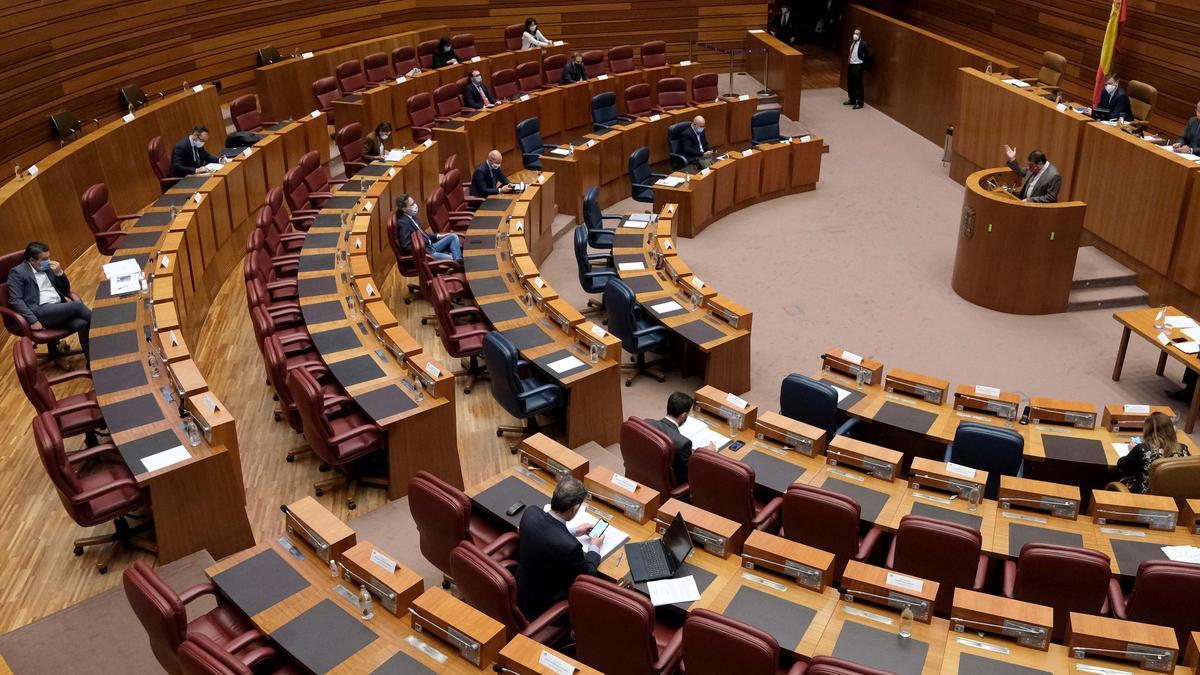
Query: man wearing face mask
{"points": [[1042, 179], [1114, 102], [489, 179], [693, 144], [574, 70], [40, 291], [189, 156], [1190, 140], [440, 246], [443, 55], [860, 61], [476, 94], [375, 145]]}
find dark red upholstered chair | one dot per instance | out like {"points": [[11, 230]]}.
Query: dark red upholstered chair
{"points": [[554, 65], [616, 630], [163, 614], [450, 163], [829, 521], [425, 52], [464, 47], [278, 365], [529, 77], [283, 235], [75, 414], [648, 454], [447, 101], [104, 493], [200, 655], [512, 37], [296, 193], [1067, 578], [429, 267], [350, 146], [338, 438], [714, 644], [160, 163], [638, 102], [654, 54], [377, 68], [489, 587], [594, 64], [457, 199], [404, 262], [1165, 593], [278, 272], [620, 59], [289, 329], [422, 116], [443, 517], [102, 218], [504, 84], [243, 110], [404, 61], [441, 220], [350, 77], [672, 93], [257, 295], [725, 486], [829, 665], [316, 175], [17, 325], [326, 92], [461, 330], [704, 88], [947, 553]]}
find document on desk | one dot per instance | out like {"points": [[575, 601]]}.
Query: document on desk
{"points": [[1187, 554], [700, 434], [125, 284], [395, 155], [842, 393], [670, 181], [213, 166], [664, 307], [121, 268], [631, 266], [1192, 334], [1016, 83], [1188, 347], [1121, 449], [644, 217], [561, 152], [1180, 322], [563, 365], [613, 538], [161, 460], [673, 591]]}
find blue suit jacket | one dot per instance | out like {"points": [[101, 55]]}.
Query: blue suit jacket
{"points": [[1117, 104], [23, 293], [408, 225], [485, 182]]}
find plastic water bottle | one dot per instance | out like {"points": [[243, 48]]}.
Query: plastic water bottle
{"points": [[353, 306], [906, 622], [989, 68], [333, 568], [594, 353], [861, 375], [152, 363], [192, 431], [364, 602], [973, 498], [1160, 319]]}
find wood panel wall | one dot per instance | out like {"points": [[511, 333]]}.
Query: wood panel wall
{"points": [[77, 53]]}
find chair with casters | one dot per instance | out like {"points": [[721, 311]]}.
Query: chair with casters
{"points": [[715, 644], [638, 102], [675, 133], [641, 178], [998, 451], [74, 414], [704, 88], [443, 516], [278, 366], [1165, 593], [160, 163], [813, 402], [638, 333], [672, 93], [725, 486], [649, 456], [461, 330], [422, 115], [604, 112], [377, 68], [350, 146], [447, 102], [594, 64], [17, 325], [425, 52], [948, 553], [620, 59], [554, 65], [654, 54], [512, 37], [1066, 578], [441, 219], [326, 91], [616, 630], [350, 77], [598, 235], [102, 218], [201, 655], [457, 200], [428, 268], [404, 60], [524, 396], [489, 586], [829, 521], [504, 84], [595, 270], [764, 127], [464, 47], [529, 142]]}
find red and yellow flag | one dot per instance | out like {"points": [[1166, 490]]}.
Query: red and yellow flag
{"points": [[1116, 17]]}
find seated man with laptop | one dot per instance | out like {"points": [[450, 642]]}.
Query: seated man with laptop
{"points": [[551, 556]]}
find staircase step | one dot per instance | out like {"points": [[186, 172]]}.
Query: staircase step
{"points": [[1106, 297], [1094, 269]]}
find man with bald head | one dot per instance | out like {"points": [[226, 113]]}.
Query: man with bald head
{"points": [[489, 179], [693, 145]]}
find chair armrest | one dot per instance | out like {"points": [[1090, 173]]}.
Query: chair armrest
{"points": [[669, 657], [85, 497], [351, 433], [603, 125], [1116, 486], [441, 120], [502, 547], [1010, 577], [552, 615], [111, 234], [464, 311], [611, 216], [644, 186], [866, 547], [451, 266], [21, 321], [253, 657], [336, 181], [207, 588], [681, 491], [1116, 599], [603, 258], [537, 390], [74, 407], [659, 175], [293, 236], [357, 165], [244, 640], [129, 216], [91, 453], [846, 427], [798, 668], [472, 199], [321, 195], [981, 572], [767, 519], [681, 158], [66, 377], [468, 334], [282, 284], [648, 331], [332, 401]]}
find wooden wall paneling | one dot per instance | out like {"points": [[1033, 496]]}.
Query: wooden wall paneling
{"points": [[1185, 262], [785, 69]]}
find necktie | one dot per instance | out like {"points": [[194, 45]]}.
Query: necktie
{"points": [[483, 95]]}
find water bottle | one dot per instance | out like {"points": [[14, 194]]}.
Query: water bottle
{"points": [[594, 353], [192, 431], [861, 375], [989, 68], [906, 622], [1121, 120], [174, 211], [364, 602], [973, 498], [17, 171], [333, 568], [570, 149], [735, 424], [144, 288], [353, 306], [152, 363], [1160, 319]]}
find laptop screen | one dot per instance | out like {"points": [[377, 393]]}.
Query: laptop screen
{"points": [[677, 540]]}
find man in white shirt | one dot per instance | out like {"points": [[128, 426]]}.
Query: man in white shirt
{"points": [[860, 60], [41, 293]]}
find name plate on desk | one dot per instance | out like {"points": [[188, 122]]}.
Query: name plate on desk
{"points": [[880, 462], [1029, 624], [1150, 647], [812, 568], [637, 503], [677, 270], [1079, 414], [477, 637], [394, 585], [313, 524], [805, 438], [1059, 500], [1130, 418], [945, 476], [589, 335], [729, 311], [841, 361], [542, 451], [987, 401], [726, 406], [1191, 515], [1155, 512], [929, 389], [878, 586], [719, 536]]}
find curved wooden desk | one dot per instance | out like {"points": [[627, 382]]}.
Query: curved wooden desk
{"points": [[1015, 256]]}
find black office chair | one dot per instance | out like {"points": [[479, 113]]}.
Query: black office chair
{"points": [[522, 396], [595, 270], [604, 112], [638, 333], [674, 133], [813, 402], [998, 451], [529, 140], [764, 127], [598, 235], [640, 176]]}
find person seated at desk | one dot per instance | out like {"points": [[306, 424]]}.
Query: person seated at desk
{"points": [[679, 405], [440, 246], [574, 70], [476, 94], [1158, 441], [375, 145], [693, 145], [189, 157], [40, 291], [444, 54], [1114, 102], [1190, 140], [532, 37], [489, 178], [1042, 180], [549, 555]]}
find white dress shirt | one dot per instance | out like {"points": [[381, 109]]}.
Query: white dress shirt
{"points": [[535, 40], [47, 293], [589, 547], [1034, 181], [854, 60]]}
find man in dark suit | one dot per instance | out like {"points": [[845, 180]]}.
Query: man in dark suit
{"points": [[785, 25], [693, 144], [1041, 179], [550, 556], [1114, 102], [489, 179], [440, 246], [1190, 140], [189, 156], [860, 62], [574, 70], [476, 94], [40, 291], [679, 405]]}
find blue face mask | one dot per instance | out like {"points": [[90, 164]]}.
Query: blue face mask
{"points": [[44, 265]]}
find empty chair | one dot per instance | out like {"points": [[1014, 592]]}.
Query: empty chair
{"points": [[1067, 578], [524, 397], [300, 200], [422, 116], [512, 37], [813, 402], [464, 47], [604, 111], [598, 235], [461, 330], [504, 84], [447, 101], [595, 270], [316, 175], [491, 588], [1053, 66], [672, 93], [102, 218], [704, 88], [278, 364], [654, 54], [638, 333], [425, 52], [1142, 98], [404, 60], [829, 521], [714, 644], [376, 68], [350, 146], [529, 142], [160, 163], [620, 59], [829, 665], [326, 92], [675, 133], [457, 200], [554, 65], [529, 76], [940, 551], [594, 64], [616, 630], [638, 102], [725, 486], [201, 655], [108, 492], [243, 111], [764, 127], [74, 414], [998, 451], [281, 229], [649, 458], [442, 514], [1165, 593], [441, 220], [641, 178]]}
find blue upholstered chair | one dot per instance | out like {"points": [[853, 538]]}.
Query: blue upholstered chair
{"points": [[980, 446], [812, 402], [641, 179], [524, 396], [604, 111], [674, 132], [595, 270], [638, 333], [598, 235], [764, 127], [529, 140]]}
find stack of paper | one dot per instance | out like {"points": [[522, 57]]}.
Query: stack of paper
{"points": [[1121, 449], [666, 307], [631, 266], [561, 152], [395, 155], [1016, 83], [563, 365], [700, 434], [124, 276], [1188, 554], [214, 166], [670, 181], [1180, 322]]}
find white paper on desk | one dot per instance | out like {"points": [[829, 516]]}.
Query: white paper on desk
{"points": [[213, 166], [612, 536], [161, 460], [121, 268], [631, 266], [126, 284], [1188, 347], [1191, 333], [635, 224], [1121, 449], [559, 43], [670, 181], [1187, 554], [664, 307], [641, 217], [395, 155], [842, 393], [672, 591], [1163, 339], [561, 152], [1180, 322], [1015, 82], [564, 364], [700, 434]]}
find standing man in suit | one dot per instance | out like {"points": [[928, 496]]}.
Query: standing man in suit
{"points": [[440, 246], [679, 405], [489, 179], [693, 145], [574, 70], [550, 556], [1190, 140], [1114, 102], [1042, 179], [476, 94], [784, 26], [189, 156], [860, 62], [40, 291]]}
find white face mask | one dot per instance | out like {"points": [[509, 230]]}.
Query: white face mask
{"points": [[533, 28], [697, 129], [1110, 88], [477, 79], [414, 210], [384, 137], [495, 167], [857, 36], [197, 142]]}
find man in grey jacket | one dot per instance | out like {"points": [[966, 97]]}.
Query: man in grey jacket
{"points": [[39, 290], [1042, 179]]}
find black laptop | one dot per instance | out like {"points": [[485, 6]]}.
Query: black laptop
{"points": [[659, 559]]}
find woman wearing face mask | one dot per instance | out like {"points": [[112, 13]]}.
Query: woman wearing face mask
{"points": [[532, 37], [444, 54], [375, 145]]}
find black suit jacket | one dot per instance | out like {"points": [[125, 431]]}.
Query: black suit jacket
{"points": [[692, 148], [485, 182], [408, 225], [548, 560], [442, 58], [573, 72], [683, 447], [785, 31], [185, 158], [1191, 134], [865, 53], [1117, 104], [23, 293], [471, 97]]}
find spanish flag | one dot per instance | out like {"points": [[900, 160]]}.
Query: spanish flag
{"points": [[1116, 17]]}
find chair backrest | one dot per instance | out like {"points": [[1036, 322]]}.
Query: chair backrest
{"points": [[243, 110], [529, 136], [1142, 97], [614, 627], [501, 357], [594, 64], [451, 185], [276, 362], [1166, 593], [722, 485], [822, 519], [420, 108], [350, 146], [810, 401], [159, 610], [512, 36], [306, 392], [604, 107], [437, 212], [647, 454], [442, 514], [295, 190], [674, 133], [639, 165], [637, 99], [584, 266], [425, 52], [529, 76], [554, 65], [448, 329], [704, 88], [160, 162], [464, 47], [764, 125], [421, 258], [1067, 578], [404, 262], [592, 215], [200, 655], [404, 60], [620, 308], [714, 644], [447, 99], [945, 552], [829, 665], [48, 437], [1177, 477], [654, 54], [33, 380], [350, 77], [620, 59], [992, 449], [98, 211], [316, 176], [672, 93], [487, 586], [1053, 66], [326, 91], [377, 67], [504, 84]]}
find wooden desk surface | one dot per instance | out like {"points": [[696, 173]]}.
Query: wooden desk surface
{"points": [[845, 614], [1141, 321], [963, 648]]}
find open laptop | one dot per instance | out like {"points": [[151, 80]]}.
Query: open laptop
{"points": [[660, 558]]}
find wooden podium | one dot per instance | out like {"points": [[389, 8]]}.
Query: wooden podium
{"points": [[1014, 256]]}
